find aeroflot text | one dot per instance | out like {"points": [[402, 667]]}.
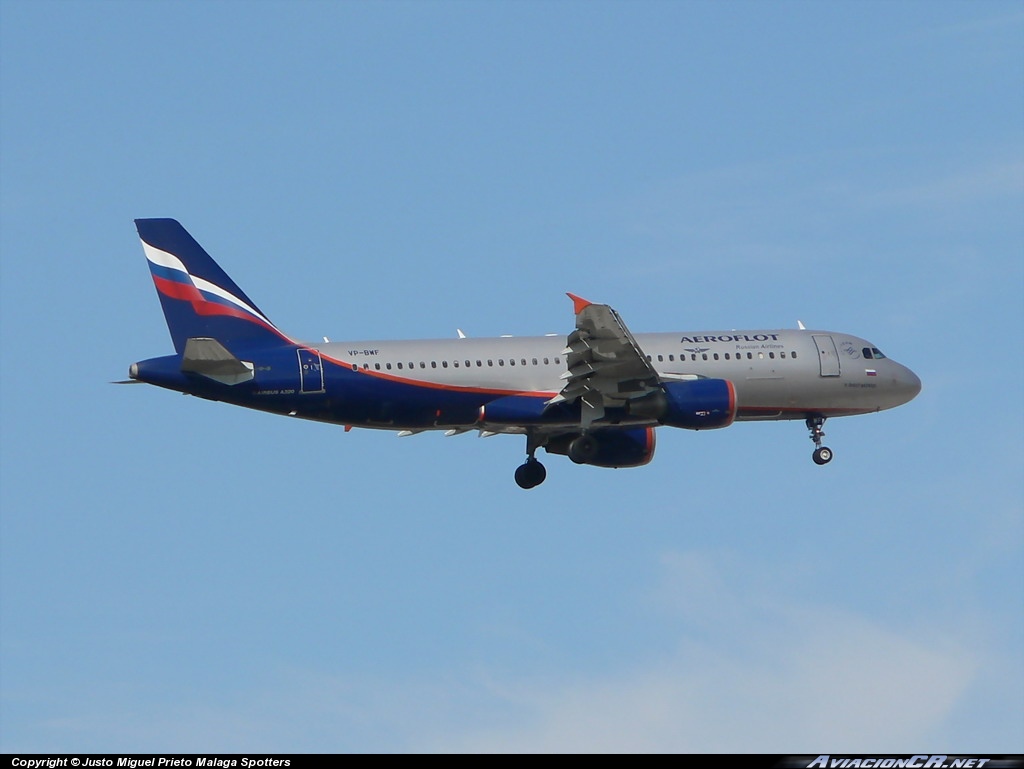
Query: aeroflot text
{"points": [[914, 762], [731, 338]]}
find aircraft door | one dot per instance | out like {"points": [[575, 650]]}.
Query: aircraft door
{"points": [[828, 356], [311, 371]]}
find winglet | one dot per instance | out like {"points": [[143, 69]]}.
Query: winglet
{"points": [[579, 304]]}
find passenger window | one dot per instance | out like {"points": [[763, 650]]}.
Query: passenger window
{"points": [[750, 356], [671, 357], [558, 361], [422, 364], [490, 362], [388, 365], [399, 364], [782, 354], [455, 363], [545, 361], [467, 363], [760, 356], [704, 356], [376, 366], [501, 361], [648, 358], [771, 355], [661, 359], [479, 363], [433, 364], [523, 361], [716, 356], [534, 361], [793, 355], [444, 364]]}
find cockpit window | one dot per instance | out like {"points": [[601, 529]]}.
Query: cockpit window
{"points": [[873, 353], [877, 353]]}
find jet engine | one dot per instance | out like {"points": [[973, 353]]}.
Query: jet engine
{"points": [[606, 447], [696, 404]]}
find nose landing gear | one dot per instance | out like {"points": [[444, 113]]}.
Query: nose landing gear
{"points": [[822, 454]]}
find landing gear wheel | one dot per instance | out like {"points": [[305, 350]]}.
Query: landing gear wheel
{"points": [[531, 473], [583, 449], [822, 455]]}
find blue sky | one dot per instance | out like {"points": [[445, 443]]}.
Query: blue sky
{"points": [[178, 575]]}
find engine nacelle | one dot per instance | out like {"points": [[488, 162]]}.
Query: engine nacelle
{"points": [[528, 410], [697, 404], [607, 447]]}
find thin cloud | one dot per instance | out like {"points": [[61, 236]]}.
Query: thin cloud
{"points": [[750, 670], [749, 674], [982, 183]]}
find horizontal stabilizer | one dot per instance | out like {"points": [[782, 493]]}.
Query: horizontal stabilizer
{"points": [[209, 358]]}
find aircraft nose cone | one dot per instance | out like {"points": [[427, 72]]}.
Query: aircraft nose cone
{"points": [[909, 383], [133, 371]]}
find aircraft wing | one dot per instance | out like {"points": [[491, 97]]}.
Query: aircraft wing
{"points": [[606, 367]]}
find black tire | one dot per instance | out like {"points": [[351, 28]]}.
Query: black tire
{"points": [[583, 449], [822, 455], [530, 474]]}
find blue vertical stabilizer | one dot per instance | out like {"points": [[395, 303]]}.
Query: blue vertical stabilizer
{"points": [[198, 297]]}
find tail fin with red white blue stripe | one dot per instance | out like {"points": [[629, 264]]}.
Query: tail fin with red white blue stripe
{"points": [[198, 298]]}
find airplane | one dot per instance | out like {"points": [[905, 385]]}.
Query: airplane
{"points": [[596, 395]]}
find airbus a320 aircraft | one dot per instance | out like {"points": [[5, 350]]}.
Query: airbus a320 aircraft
{"points": [[595, 396]]}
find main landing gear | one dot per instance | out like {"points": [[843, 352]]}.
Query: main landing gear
{"points": [[822, 454], [531, 473]]}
